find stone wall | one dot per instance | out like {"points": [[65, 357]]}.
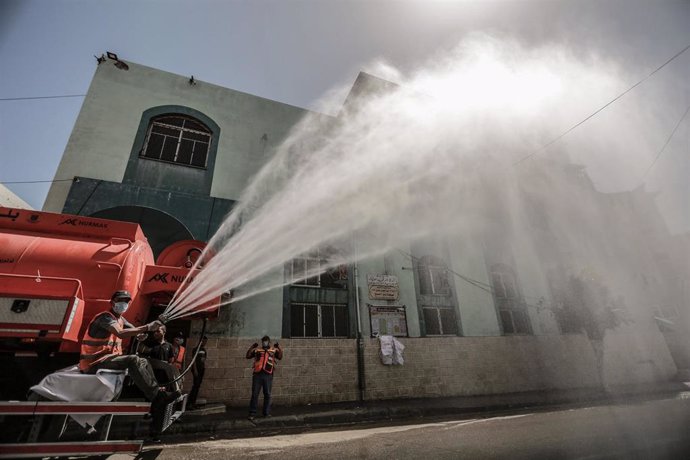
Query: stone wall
{"points": [[459, 366], [312, 371], [325, 370]]}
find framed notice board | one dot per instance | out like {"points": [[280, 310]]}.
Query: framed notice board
{"points": [[388, 320]]}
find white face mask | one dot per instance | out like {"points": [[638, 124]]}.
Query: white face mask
{"points": [[120, 307], [179, 341], [264, 344]]}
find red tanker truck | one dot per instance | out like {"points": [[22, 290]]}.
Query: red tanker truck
{"points": [[57, 271]]}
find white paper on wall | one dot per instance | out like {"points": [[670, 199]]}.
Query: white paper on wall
{"points": [[391, 350]]}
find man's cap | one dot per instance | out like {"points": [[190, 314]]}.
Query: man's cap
{"points": [[121, 295]]}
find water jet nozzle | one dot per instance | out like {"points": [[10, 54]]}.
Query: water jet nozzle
{"points": [[163, 318]]}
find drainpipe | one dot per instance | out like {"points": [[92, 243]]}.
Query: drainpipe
{"points": [[361, 378]]}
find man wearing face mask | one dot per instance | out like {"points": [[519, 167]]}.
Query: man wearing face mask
{"points": [[262, 379], [101, 348]]}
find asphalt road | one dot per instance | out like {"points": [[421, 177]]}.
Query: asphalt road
{"points": [[646, 430]]}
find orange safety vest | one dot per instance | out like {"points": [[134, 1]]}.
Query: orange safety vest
{"points": [[178, 357], [95, 350], [264, 360]]}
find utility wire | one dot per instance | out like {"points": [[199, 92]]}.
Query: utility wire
{"points": [[483, 286], [39, 97], [560, 136], [666, 143], [36, 181]]}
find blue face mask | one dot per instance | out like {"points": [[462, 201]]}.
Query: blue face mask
{"points": [[120, 307]]}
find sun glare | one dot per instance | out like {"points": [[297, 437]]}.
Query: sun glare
{"points": [[488, 83]]}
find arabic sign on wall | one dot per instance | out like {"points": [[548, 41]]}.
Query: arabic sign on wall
{"points": [[383, 287], [388, 320]]}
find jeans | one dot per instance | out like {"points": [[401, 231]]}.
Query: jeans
{"points": [[261, 381], [167, 372], [139, 370]]}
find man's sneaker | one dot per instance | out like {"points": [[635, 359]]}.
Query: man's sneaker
{"points": [[267, 416], [251, 417]]}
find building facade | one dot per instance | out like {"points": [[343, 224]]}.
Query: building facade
{"points": [[474, 312]]}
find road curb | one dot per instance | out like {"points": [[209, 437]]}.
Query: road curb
{"points": [[404, 409]]}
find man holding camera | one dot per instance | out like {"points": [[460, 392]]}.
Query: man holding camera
{"points": [[264, 364]]}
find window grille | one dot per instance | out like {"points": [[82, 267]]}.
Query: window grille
{"points": [[177, 139], [511, 309], [314, 320], [314, 269], [440, 321], [433, 276]]}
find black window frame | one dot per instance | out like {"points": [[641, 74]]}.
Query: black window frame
{"points": [[318, 259], [164, 123], [512, 311], [433, 276], [436, 313], [322, 310]]}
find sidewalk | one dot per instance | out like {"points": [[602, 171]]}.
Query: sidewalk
{"points": [[234, 420]]}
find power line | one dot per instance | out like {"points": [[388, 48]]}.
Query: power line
{"points": [[666, 143], [488, 288], [560, 136], [35, 181], [39, 97], [481, 285]]}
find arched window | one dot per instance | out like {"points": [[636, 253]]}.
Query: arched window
{"points": [[511, 308], [178, 139]]}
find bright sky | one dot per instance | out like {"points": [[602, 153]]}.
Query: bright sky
{"points": [[295, 51]]}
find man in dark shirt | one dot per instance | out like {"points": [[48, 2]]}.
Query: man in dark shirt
{"points": [[198, 370], [160, 349], [159, 355]]}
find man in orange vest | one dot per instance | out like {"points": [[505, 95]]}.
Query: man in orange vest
{"points": [[101, 348], [264, 364]]}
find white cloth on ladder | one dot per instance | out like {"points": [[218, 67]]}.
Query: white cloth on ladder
{"points": [[70, 385]]}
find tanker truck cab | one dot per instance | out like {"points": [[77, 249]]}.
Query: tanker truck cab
{"points": [[58, 271]]}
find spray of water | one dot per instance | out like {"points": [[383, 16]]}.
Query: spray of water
{"points": [[431, 156]]}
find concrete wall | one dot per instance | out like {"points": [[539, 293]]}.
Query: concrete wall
{"points": [[323, 371], [101, 141]]}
